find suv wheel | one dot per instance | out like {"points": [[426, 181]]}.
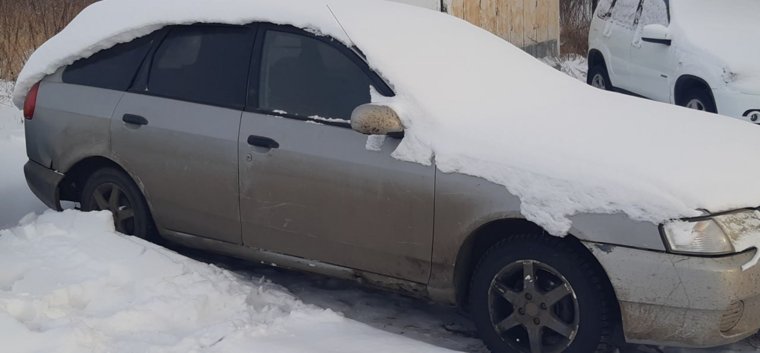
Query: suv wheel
{"points": [[111, 190], [598, 77], [539, 294], [699, 99]]}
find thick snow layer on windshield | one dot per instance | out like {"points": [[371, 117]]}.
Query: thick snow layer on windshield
{"points": [[71, 284], [477, 105]]}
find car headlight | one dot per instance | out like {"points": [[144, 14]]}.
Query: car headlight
{"points": [[711, 235]]}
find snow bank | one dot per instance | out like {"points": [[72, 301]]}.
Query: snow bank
{"points": [[476, 105], [71, 284]]}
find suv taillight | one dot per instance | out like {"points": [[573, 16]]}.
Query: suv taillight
{"points": [[30, 104]]}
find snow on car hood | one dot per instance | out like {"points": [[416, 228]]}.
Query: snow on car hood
{"points": [[728, 31], [474, 104]]}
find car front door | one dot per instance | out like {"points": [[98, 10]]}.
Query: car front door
{"points": [[313, 188], [652, 63], [176, 130]]}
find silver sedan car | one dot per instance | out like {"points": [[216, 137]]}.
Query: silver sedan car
{"points": [[261, 153]]}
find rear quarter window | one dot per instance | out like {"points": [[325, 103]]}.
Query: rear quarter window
{"points": [[112, 68], [624, 12]]}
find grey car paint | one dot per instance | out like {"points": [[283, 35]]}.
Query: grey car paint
{"points": [[354, 207], [72, 124], [186, 161]]}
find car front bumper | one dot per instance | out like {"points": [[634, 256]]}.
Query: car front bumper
{"points": [[736, 104], [44, 183], [683, 301]]}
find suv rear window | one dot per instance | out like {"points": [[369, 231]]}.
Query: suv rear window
{"points": [[112, 68], [206, 64]]}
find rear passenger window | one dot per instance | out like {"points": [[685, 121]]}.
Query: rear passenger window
{"points": [[624, 12], [112, 68], [305, 76], [203, 64], [602, 8], [654, 12]]}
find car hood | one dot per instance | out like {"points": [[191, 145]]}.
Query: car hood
{"points": [[727, 31], [472, 103]]}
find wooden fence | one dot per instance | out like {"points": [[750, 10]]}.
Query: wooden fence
{"points": [[532, 25]]}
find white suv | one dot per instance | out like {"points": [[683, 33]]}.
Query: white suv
{"points": [[701, 54]]}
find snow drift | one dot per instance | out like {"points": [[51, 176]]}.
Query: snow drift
{"points": [[71, 284], [474, 104]]}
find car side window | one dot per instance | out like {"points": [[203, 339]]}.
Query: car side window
{"points": [[654, 12], [602, 8], [624, 13], [308, 77], [205, 64], [112, 68]]}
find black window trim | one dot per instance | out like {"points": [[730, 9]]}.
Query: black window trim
{"points": [[140, 82], [252, 97]]}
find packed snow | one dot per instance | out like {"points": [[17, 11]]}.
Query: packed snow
{"points": [[476, 105]]}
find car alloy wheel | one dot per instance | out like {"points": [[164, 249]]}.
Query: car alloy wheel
{"points": [[109, 189], [110, 197], [533, 308], [696, 104], [599, 82], [535, 293]]}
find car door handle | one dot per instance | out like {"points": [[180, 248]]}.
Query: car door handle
{"points": [[134, 119], [261, 141]]}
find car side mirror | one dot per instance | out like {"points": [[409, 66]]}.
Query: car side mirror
{"points": [[374, 119], [656, 33]]}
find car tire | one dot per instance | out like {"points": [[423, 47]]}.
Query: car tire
{"points": [[566, 303], [599, 78], [699, 99], [109, 189]]}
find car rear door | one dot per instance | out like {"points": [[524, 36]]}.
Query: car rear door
{"points": [[652, 64], [176, 130], [310, 186], [619, 31]]}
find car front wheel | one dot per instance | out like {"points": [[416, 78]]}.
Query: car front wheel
{"points": [[112, 190], [539, 294], [699, 99]]}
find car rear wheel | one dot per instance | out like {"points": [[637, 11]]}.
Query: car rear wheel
{"points": [[539, 294], [112, 190], [598, 77], [699, 99]]}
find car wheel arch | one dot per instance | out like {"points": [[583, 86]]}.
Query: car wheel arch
{"points": [[595, 57], [686, 82], [496, 231], [77, 175]]}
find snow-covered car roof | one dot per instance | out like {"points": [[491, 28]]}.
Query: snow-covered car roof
{"points": [[476, 105]]}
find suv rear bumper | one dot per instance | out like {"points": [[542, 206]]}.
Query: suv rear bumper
{"points": [[684, 301], [44, 183]]}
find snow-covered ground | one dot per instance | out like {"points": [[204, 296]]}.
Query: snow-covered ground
{"points": [[70, 284]]}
